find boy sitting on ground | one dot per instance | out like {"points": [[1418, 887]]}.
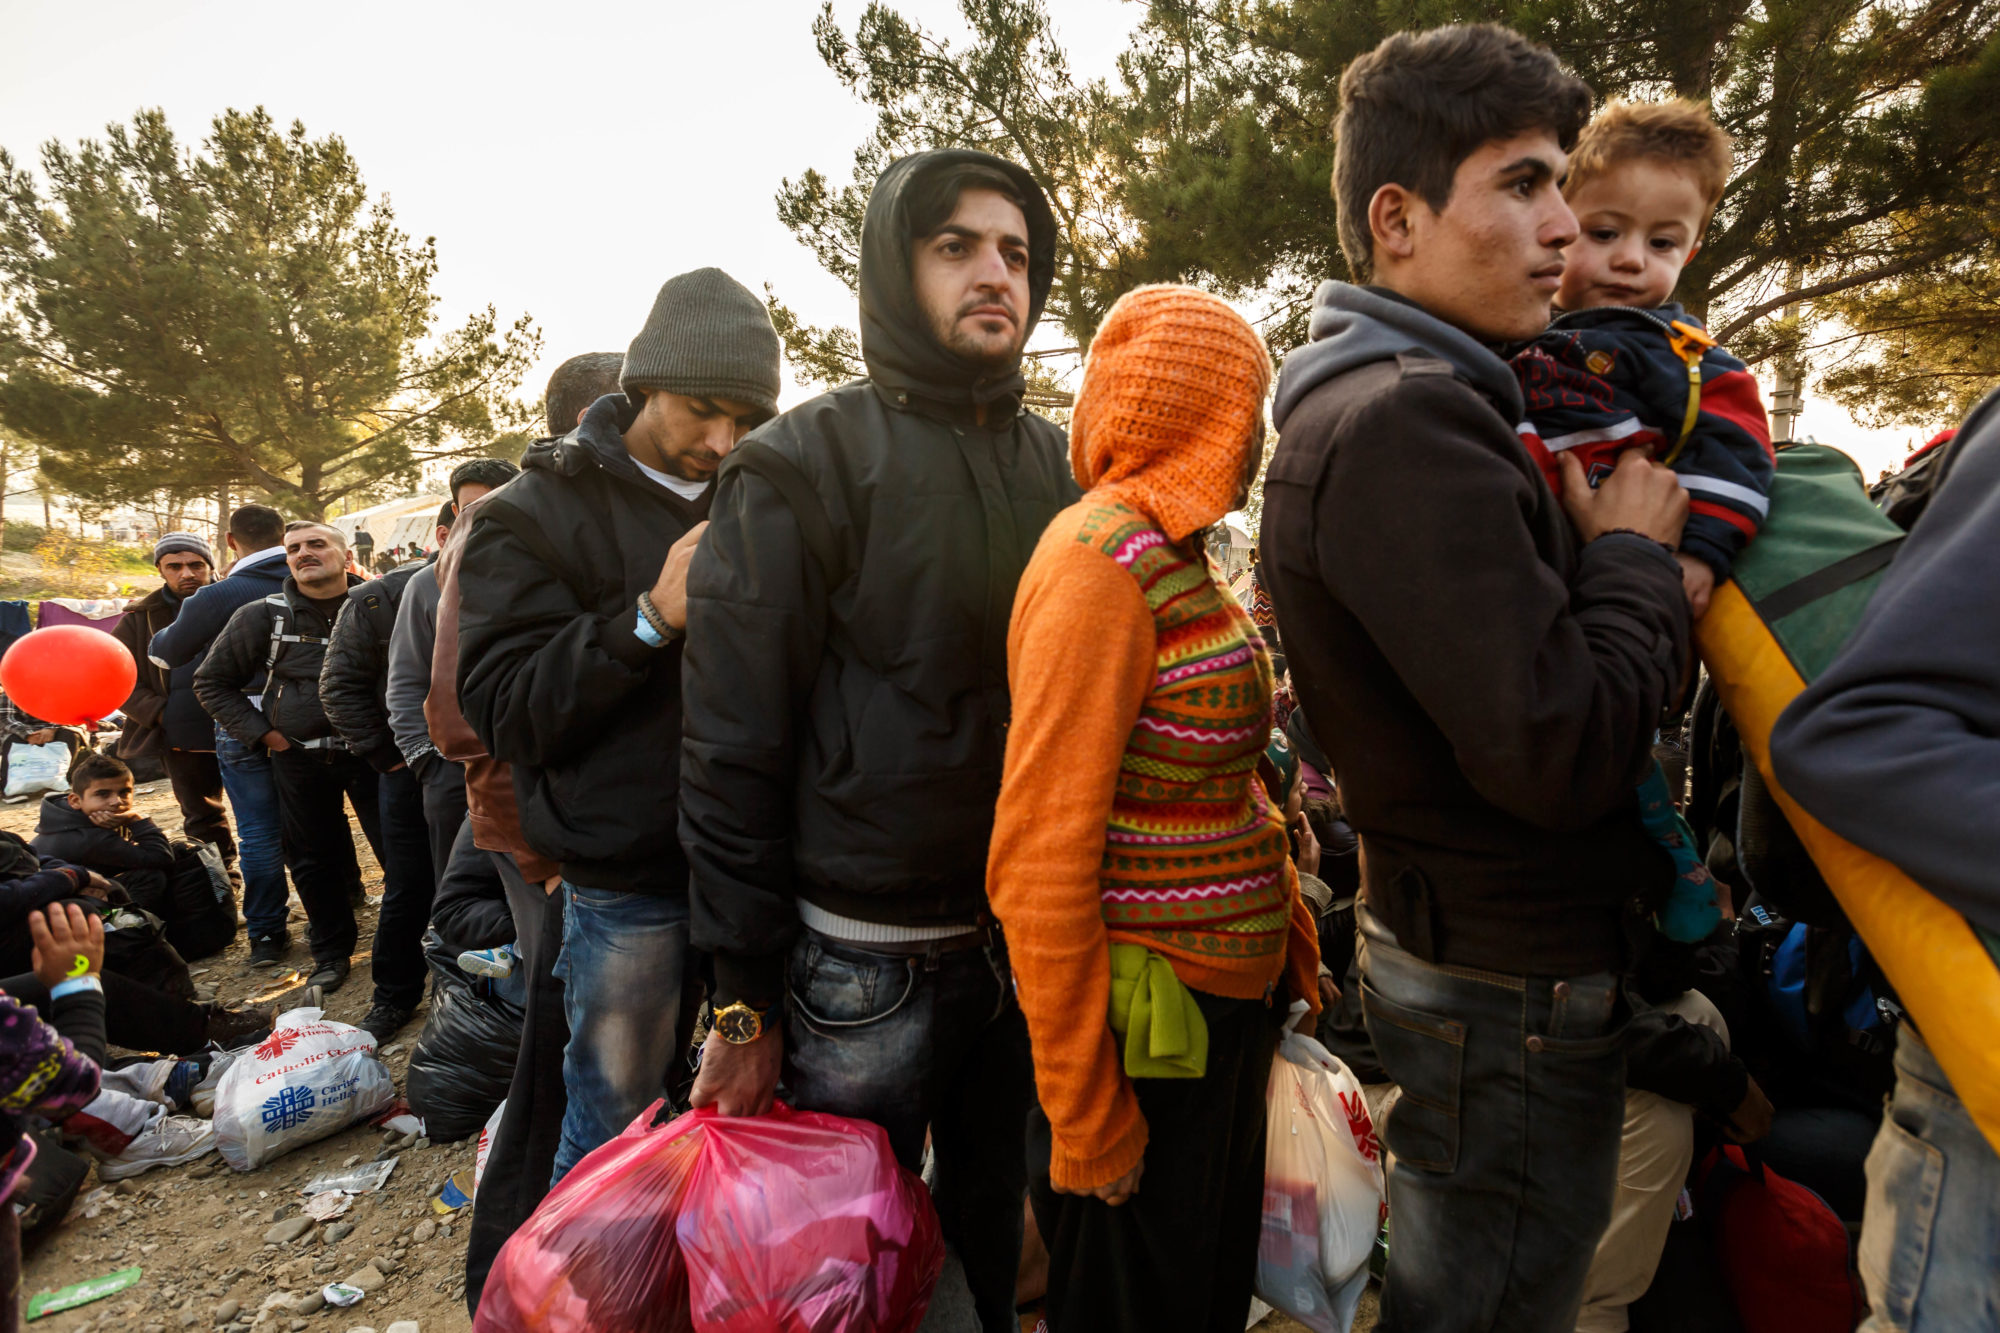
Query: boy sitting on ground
{"points": [[94, 825], [1621, 367]]}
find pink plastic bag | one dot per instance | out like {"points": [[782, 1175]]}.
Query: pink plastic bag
{"points": [[600, 1254], [793, 1222]]}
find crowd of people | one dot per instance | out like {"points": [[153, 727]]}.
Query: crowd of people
{"points": [[912, 753]]}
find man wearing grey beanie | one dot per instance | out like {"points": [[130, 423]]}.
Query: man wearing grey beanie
{"points": [[573, 598], [163, 719]]}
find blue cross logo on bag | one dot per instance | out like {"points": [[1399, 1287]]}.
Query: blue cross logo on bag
{"points": [[289, 1109]]}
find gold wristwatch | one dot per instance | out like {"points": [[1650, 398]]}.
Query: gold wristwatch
{"points": [[739, 1024]]}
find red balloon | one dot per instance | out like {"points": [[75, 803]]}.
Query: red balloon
{"points": [[68, 674]]}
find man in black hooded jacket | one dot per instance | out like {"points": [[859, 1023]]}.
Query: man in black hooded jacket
{"points": [[846, 702], [572, 602]]}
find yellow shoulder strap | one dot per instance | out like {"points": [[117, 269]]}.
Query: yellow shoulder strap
{"points": [[1689, 342]]}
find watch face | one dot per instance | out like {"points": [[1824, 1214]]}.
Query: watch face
{"points": [[738, 1024]]}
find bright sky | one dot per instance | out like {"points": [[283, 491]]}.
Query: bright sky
{"points": [[568, 159]]}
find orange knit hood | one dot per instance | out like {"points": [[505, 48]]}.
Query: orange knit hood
{"points": [[1172, 403]]}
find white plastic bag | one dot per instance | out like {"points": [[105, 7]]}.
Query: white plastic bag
{"points": [[1323, 1187], [36, 768], [487, 1134], [309, 1079]]}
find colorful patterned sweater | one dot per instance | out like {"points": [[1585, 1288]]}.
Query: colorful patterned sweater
{"points": [[42, 1073], [1131, 811]]}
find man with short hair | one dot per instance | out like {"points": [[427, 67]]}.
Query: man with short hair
{"points": [[847, 706], [162, 716], [575, 385], [573, 604], [255, 537], [1485, 664], [281, 640]]}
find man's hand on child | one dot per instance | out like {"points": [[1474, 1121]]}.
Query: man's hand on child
{"points": [[1639, 496], [1698, 581]]}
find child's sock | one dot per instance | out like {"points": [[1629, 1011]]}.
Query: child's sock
{"points": [[1690, 913]]}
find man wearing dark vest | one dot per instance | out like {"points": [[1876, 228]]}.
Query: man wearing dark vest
{"points": [[282, 639]]}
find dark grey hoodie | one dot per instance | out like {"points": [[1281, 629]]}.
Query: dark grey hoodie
{"points": [[1896, 747], [1486, 689], [1354, 326]]}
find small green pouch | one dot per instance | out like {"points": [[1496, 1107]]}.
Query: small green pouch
{"points": [[1165, 1034]]}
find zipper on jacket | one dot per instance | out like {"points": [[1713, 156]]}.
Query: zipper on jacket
{"points": [[1647, 315]]}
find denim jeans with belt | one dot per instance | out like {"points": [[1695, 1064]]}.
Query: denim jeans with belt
{"points": [[253, 799], [1930, 1236], [1505, 1134], [623, 958], [933, 1040]]}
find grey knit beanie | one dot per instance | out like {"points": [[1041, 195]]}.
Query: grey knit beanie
{"points": [[707, 337], [174, 542]]}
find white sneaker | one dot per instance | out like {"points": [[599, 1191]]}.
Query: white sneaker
{"points": [[168, 1141], [488, 962]]}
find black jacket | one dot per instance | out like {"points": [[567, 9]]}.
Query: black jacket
{"points": [[161, 712], [234, 670], [28, 883], [470, 910], [65, 833], [203, 616], [844, 744], [551, 673], [356, 670], [1486, 689]]}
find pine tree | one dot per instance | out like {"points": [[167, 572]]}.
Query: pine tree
{"points": [[236, 316], [1867, 143]]}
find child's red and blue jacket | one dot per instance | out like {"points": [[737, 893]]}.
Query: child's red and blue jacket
{"points": [[1602, 381]]}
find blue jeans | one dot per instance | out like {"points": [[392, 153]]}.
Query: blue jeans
{"points": [[1931, 1232], [915, 1042], [1506, 1136], [260, 851], [623, 957]]}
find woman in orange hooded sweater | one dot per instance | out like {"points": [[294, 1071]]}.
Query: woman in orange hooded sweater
{"points": [[1141, 874]]}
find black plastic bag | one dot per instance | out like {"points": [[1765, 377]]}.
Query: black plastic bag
{"points": [[136, 947], [464, 1060], [201, 915]]}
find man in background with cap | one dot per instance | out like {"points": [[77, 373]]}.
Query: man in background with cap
{"points": [[162, 717], [573, 599]]}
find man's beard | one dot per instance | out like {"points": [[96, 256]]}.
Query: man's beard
{"points": [[973, 351]]}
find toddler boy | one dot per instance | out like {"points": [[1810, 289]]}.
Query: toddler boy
{"points": [[1621, 367]]}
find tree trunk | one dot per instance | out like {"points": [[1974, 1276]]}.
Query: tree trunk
{"points": [[222, 523], [3, 495]]}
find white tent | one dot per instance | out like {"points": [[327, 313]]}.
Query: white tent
{"points": [[410, 523]]}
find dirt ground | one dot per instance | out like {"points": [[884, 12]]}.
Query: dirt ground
{"points": [[199, 1231]]}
